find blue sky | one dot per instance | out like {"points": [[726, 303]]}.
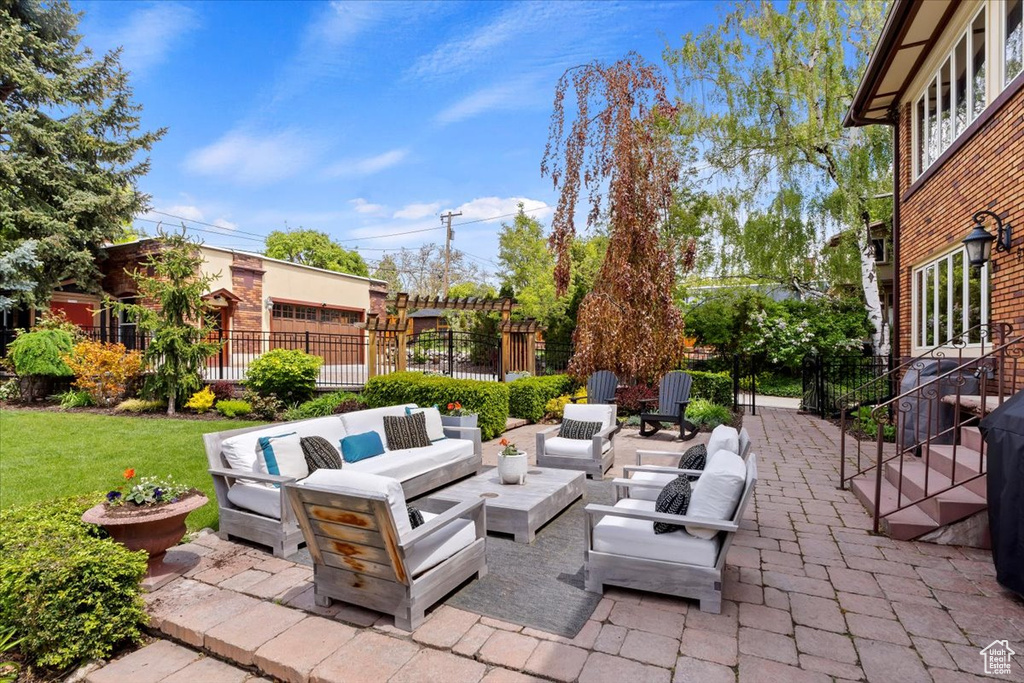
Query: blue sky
{"points": [[361, 119]]}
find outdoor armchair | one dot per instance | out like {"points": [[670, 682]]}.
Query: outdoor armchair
{"points": [[594, 456], [601, 388], [673, 399]]}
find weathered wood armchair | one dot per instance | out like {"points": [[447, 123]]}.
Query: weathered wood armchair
{"points": [[601, 388], [673, 399], [365, 551], [594, 456]]}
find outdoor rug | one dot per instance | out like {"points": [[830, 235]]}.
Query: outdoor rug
{"points": [[538, 585]]}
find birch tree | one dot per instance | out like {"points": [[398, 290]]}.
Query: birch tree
{"points": [[763, 93]]}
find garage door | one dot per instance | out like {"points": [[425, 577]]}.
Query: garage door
{"points": [[332, 333]]}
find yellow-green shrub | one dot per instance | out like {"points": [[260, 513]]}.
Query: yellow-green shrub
{"points": [[202, 400], [555, 408]]}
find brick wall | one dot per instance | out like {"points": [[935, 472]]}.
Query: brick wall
{"points": [[985, 173], [378, 299], [247, 284]]}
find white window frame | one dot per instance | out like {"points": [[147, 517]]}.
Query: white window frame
{"points": [[918, 332], [1003, 82]]}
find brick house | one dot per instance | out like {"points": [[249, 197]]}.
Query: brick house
{"points": [[946, 75]]}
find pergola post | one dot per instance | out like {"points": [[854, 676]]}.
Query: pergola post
{"points": [[401, 333]]}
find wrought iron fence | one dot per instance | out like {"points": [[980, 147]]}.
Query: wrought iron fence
{"points": [[552, 357], [466, 355], [825, 380]]}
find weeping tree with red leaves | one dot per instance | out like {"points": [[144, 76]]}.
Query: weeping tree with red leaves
{"points": [[618, 153]]}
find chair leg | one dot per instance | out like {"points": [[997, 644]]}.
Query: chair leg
{"points": [[688, 430], [655, 427], [711, 605], [409, 619]]}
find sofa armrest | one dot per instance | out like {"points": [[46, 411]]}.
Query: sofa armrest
{"points": [[468, 434], [542, 437], [473, 509], [597, 444], [263, 477], [596, 512]]}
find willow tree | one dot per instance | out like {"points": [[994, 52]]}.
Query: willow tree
{"points": [[766, 88], [618, 155]]}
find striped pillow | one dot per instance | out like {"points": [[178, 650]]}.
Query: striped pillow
{"points": [[406, 431], [320, 454], [578, 429]]}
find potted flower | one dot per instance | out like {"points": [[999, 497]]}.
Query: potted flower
{"points": [[512, 464], [457, 416], [146, 513]]}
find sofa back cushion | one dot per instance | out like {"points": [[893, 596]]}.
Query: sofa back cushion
{"points": [[240, 452], [605, 414], [348, 482], [717, 493], [282, 454], [372, 420]]}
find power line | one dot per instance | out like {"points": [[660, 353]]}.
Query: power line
{"points": [[211, 232], [393, 234], [212, 225]]}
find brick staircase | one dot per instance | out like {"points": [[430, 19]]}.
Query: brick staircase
{"points": [[936, 463]]}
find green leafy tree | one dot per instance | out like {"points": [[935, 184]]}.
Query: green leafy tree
{"points": [[314, 248], [70, 148], [387, 270], [617, 153], [173, 312], [764, 91]]}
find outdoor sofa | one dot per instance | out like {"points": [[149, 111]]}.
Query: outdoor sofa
{"points": [[253, 504]]}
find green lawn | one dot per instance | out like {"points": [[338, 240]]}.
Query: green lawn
{"points": [[45, 455]]}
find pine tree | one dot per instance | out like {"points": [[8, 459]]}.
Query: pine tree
{"points": [[70, 147]]}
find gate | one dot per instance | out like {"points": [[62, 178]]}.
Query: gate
{"points": [[744, 383], [466, 355], [827, 380]]}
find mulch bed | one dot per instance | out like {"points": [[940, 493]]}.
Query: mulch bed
{"points": [[212, 415]]}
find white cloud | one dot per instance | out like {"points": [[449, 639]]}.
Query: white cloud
{"points": [[192, 213], [495, 208], [502, 96], [250, 160], [149, 34], [417, 211], [225, 224], [362, 206], [367, 166], [172, 215]]}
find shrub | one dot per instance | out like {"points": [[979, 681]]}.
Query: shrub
{"points": [[528, 397], [38, 358], [9, 391], [202, 400], [628, 399], [76, 399], [138, 405], [233, 408], [104, 369], [488, 399], [349, 406], [263, 407], [868, 427], [773, 384], [555, 408], [713, 386], [223, 391], [70, 593], [321, 406], [704, 413], [289, 375]]}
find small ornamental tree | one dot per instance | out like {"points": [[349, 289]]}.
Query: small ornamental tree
{"points": [[178, 347], [619, 153]]}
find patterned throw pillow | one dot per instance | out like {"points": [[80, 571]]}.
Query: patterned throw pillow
{"points": [[406, 431], [320, 454], [673, 499], [415, 517], [695, 458], [578, 429]]}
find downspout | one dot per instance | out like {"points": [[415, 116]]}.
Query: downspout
{"points": [[897, 270]]}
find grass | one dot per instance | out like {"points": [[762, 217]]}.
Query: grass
{"points": [[47, 454]]}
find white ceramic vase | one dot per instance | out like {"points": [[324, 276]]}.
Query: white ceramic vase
{"points": [[512, 468]]}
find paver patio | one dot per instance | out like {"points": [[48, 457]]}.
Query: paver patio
{"points": [[810, 595]]}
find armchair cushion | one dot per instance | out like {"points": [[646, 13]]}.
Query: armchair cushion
{"points": [[636, 538], [673, 500], [723, 438], [717, 493], [659, 478], [434, 549], [605, 414], [281, 454], [348, 482], [577, 429], [573, 448]]}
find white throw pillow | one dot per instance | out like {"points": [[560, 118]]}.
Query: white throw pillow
{"points": [[717, 493], [348, 482], [435, 430], [723, 438], [281, 454]]}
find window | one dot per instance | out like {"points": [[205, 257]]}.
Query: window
{"points": [[949, 299], [1013, 41], [881, 250]]}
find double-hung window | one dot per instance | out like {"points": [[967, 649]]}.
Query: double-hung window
{"points": [[950, 301]]}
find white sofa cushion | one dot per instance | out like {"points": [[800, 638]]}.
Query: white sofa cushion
{"points": [[605, 414], [348, 482], [658, 478], [717, 493], [259, 498], [723, 438], [636, 538], [372, 420], [440, 545], [282, 454], [432, 416], [572, 448], [240, 451], [405, 464]]}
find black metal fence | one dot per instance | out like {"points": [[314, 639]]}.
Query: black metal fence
{"points": [[466, 355], [827, 380]]}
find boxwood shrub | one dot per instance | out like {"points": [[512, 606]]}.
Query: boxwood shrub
{"points": [[290, 375], [488, 399], [68, 591], [527, 397], [713, 386]]}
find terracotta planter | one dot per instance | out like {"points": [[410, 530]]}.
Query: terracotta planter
{"points": [[512, 468], [459, 421], [153, 529]]}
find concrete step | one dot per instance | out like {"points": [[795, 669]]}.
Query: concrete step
{"points": [[944, 508], [940, 458], [904, 525], [971, 437]]}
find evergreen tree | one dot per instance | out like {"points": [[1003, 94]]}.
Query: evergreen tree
{"points": [[70, 147]]}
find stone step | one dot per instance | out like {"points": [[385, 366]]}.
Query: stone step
{"points": [[903, 525], [944, 508], [971, 437], [940, 458]]}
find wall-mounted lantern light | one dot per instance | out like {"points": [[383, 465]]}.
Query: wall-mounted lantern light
{"points": [[979, 241]]}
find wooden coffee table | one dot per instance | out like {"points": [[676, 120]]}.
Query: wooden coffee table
{"points": [[519, 510]]}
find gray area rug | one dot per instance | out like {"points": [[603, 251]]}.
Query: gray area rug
{"points": [[538, 585]]}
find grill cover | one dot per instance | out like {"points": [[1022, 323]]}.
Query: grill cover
{"points": [[928, 415], [1003, 430]]}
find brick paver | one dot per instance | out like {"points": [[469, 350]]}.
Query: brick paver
{"points": [[810, 594]]}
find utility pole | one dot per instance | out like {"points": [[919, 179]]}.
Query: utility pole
{"points": [[449, 236]]}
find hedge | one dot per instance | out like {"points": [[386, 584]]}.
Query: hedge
{"points": [[714, 386], [488, 399], [528, 396], [70, 593]]}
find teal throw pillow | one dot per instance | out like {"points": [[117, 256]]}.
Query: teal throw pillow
{"points": [[356, 447]]}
